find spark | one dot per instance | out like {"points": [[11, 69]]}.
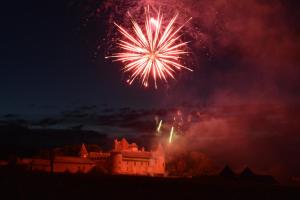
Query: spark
{"points": [[171, 134], [159, 126], [154, 22], [153, 52]]}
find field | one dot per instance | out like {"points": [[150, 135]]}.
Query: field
{"points": [[24, 185]]}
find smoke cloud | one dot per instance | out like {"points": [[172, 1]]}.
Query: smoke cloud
{"points": [[246, 71]]}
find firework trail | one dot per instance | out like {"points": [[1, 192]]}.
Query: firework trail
{"points": [[155, 52], [159, 127], [171, 134]]}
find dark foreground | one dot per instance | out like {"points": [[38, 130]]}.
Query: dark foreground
{"points": [[23, 185]]}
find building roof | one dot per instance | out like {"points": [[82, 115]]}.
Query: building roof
{"points": [[24, 161], [3, 162], [71, 159], [227, 172], [137, 154], [83, 151], [39, 161], [247, 173], [99, 154]]}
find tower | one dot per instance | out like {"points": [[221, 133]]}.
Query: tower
{"points": [[83, 152]]}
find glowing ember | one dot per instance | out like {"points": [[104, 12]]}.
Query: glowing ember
{"points": [[155, 52]]}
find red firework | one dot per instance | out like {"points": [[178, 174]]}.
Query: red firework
{"points": [[155, 52]]}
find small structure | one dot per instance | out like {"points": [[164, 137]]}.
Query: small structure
{"points": [[227, 172], [248, 175]]}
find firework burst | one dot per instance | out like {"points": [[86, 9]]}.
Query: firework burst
{"points": [[153, 53]]}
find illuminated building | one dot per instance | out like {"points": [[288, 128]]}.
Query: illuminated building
{"points": [[124, 158]]}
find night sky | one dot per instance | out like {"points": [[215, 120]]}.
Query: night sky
{"points": [[48, 62], [51, 58], [245, 56]]}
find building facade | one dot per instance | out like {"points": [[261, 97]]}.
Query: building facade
{"points": [[124, 158], [129, 159]]}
